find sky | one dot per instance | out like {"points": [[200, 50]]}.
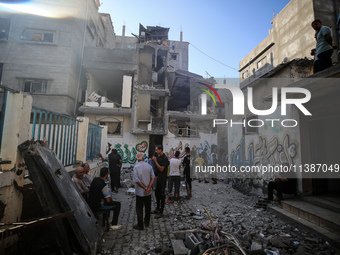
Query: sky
{"points": [[220, 32]]}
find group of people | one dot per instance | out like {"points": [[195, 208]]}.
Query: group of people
{"points": [[146, 174], [95, 190], [156, 173]]}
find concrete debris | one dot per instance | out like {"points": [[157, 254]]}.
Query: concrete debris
{"points": [[130, 191], [237, 221]]}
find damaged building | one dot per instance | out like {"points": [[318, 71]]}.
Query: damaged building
{"points": [[146, 96], [136, 89]]}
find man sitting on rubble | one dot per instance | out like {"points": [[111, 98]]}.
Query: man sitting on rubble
{"points": [[78, 179], [98, 191], [281, 184]]}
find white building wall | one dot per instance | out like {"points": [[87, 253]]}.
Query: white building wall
{"points": [[172, 143], [273, 145]]}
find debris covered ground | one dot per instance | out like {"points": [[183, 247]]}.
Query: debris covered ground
{"points": [[257, 230]]}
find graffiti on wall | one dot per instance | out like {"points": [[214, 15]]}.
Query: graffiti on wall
{"points": [[272, 152], [142, 147], [171, 153], [201, 147], [274, 127], [129, 155], [234, 134]]}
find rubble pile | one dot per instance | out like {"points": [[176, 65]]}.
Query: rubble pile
{"points": [[256, 229], [186, 227]]}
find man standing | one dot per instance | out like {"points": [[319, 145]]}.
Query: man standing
{"points": [[204, 155], [186, 164], [115, 162], [162, 164], [144, 177], [98, 191], [174, 176], [200, 163], [324, 42], [78, 179]]}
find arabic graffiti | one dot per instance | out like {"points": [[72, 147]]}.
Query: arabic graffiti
{"points": [[171, 153], [202, 147], [239, 157], [266, 153], [127, 155]]}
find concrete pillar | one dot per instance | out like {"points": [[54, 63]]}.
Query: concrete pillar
{"points": [[123, 33], [16, 131], [126, 93], [82, 138], [104, 141]]}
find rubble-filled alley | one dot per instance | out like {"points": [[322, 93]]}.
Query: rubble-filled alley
{"points": [[258, 230]]}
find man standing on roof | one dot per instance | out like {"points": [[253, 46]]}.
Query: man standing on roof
{"points": [[324, 42]]}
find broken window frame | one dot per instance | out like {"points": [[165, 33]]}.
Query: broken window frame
{"points": [[37, 86], [174, 56], [187, 131], [117, 132], [38, 36]]}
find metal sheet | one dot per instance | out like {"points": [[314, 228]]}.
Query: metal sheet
{"points": [[58, 194]]}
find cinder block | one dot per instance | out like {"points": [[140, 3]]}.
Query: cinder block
{"points": [[179, 248], [192, 240]]}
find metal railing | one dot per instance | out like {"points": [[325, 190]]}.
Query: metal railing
{"points": [[93, 141], [59, 131]]}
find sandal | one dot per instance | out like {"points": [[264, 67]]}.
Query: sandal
{"points": [[161, 215]]}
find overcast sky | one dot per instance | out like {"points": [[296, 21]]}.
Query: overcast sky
{"points": [[225, 30]]}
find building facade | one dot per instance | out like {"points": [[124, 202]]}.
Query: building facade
{"points": [[43, 55], [147, 96], [283, 61]]}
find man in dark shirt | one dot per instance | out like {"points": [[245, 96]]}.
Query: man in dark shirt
{"points": [[186, 164], [115, 163], [98, 191], [204, 155], [162, 164]]}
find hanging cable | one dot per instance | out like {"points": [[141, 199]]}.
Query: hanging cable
{"points": [[212, 57]]}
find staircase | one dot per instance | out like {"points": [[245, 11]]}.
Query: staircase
{"points": [[320, 214]]}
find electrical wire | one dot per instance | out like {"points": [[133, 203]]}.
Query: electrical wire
{"points": [[212, 57]]}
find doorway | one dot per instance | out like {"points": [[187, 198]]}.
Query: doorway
{"points": [[154, 140]]}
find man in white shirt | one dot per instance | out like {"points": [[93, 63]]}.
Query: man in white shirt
{"points": [[174, 176]]}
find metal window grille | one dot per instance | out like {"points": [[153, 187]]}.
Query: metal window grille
{"points": [[59, 131]]}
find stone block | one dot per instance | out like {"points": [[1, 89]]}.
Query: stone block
{"points": [[179, 248], [192, 240], [304, 215]]}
